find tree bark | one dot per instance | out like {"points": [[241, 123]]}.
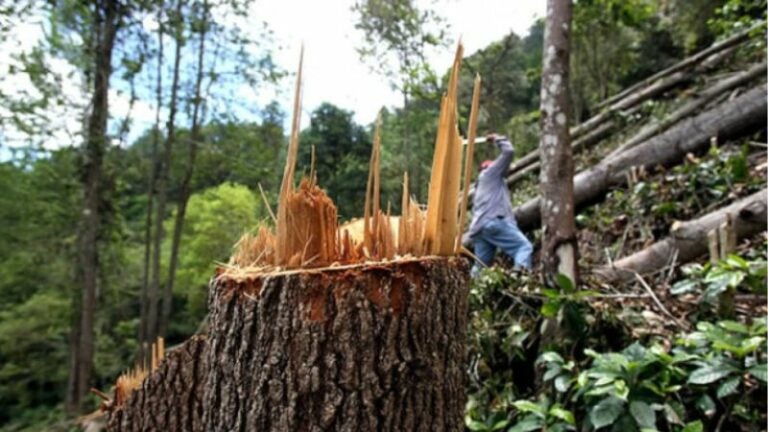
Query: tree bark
{"points": [[186, 184], [368, 347], [170, 398], [559, 247], [688, 240], [737, 117], [106, 19]]}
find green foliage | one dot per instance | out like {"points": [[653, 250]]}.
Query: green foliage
{"points": [[737, 15], [343, 150], [717, 371], [216, 218], [711, 281]]}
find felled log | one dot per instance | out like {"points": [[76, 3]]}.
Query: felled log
{"points": [[631, 99], [169, 398], [737, 117], [706, 96], [688, 240], [700, 56], [368, 347]]}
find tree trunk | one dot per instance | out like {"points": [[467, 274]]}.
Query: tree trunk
{"points": [[181, 211], [106, 20], [170, 398], [688, 240], [559, 251], [737, 117], [153, 170], [371, 347], [709, 94], [153, 316]]}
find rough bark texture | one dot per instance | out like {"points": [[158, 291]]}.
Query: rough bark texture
{"points": [[170, 398], [366, 348], [559, 249], [106, 19], [737, 117], [688, 240]]}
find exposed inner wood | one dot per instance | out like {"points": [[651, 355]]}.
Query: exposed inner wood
{"points": [[307, 232]]}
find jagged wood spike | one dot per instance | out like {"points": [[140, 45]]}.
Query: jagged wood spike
{"points": [[469, 154]]}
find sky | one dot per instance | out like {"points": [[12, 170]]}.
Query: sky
{"points": [[333, 71], [332, 68]]}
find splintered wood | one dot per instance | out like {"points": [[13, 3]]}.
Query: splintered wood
{"points": [[307, 233], [129, 381]]}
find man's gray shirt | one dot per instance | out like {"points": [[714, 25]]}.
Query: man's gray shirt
{"points": [[491, 198]]}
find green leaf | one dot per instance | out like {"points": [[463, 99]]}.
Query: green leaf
{"points": [[673, 414], [734, 326], [563, 415], [499, 425], [550, 308], [552, 372], [528, 424], [707, 375], [696, 426], [606, 412], [684, 286], [475, 425], [531, 407], [562, 383], [706, 405], [643, 414], [728, 387], [760, 372], [551, 357], [564, 282]]}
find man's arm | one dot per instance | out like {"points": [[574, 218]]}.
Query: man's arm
{"points": [[500, 165]]}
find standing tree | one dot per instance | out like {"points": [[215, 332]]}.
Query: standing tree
{"points": [[397, 35], [559, 246], [105, 17]]}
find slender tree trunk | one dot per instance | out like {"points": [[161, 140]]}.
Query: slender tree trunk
{"points": [[153, 171], [153, 316], [559, 247], [181, 211], [106, 20]]}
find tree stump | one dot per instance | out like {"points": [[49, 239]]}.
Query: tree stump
{"points": [[170, 398], [369, 347]]}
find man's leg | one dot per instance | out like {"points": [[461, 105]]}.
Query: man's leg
{"points": [[508, 237], [483, 250]]}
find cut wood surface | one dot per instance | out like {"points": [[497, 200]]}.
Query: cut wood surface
{"points": [[688, 240], [367, 347], [170, 397], [736, 117]]}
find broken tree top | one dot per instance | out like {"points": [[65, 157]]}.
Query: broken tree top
{"points": [[307, 233]]}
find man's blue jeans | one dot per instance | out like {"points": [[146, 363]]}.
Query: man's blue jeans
{"points": [[505, 235]]}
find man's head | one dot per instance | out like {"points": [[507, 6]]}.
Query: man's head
{"points": [[485, 164]]}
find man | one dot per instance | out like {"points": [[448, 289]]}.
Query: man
{"points": [[493, 222]]}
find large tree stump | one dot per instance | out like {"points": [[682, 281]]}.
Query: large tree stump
{"points": [[370, 347], [170, 398]]}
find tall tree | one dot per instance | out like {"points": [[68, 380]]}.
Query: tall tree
{"points": [[559, 246], [106, 17], [154, 168], [153, 292], [195, 138], [398, 35]]}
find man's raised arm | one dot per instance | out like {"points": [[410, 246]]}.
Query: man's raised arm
{"points": [[500, 165]]}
